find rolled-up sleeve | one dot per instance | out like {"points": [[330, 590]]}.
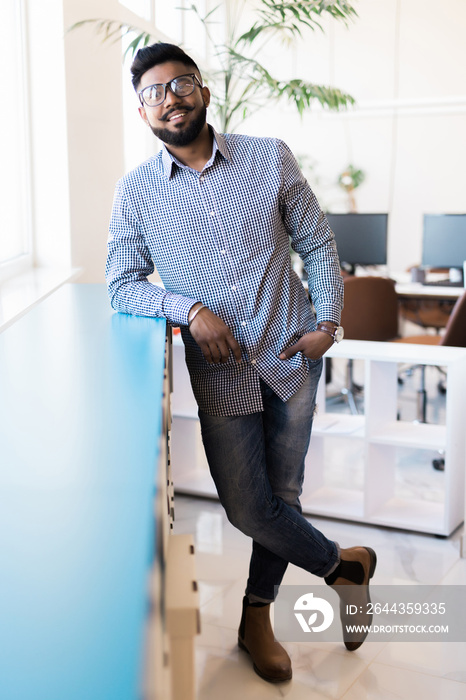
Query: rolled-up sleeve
{"points": [[129, 264], [311, 238]]}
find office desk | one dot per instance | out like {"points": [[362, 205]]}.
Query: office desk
{"points": [[80, 436], [424, 305], [415, 290]]}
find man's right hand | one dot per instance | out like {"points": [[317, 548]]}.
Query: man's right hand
{"points": [[213, 337]]}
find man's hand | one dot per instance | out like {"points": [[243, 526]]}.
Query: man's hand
{"points": [[312, 345], [214, 337]]}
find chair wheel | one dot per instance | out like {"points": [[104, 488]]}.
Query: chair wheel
{"points": [[439, 464]]}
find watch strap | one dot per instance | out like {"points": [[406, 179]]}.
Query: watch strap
{"points": [[332, 329], [324, 329]]}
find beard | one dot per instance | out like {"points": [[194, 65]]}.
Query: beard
{"points": [[183, 137]]}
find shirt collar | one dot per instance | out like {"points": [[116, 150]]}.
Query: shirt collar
{"points": [[219, 145]]}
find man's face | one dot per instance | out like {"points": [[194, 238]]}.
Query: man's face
{"points": [[178, 121]]}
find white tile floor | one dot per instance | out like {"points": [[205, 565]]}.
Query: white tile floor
{"points": [[376, 671]]}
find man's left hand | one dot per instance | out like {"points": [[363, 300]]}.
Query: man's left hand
{"points": [[313, 345]]}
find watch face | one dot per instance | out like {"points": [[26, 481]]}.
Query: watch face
{"points": [[339, 334]]}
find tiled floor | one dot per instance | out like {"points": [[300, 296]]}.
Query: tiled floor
{"points": [[378, 670]]}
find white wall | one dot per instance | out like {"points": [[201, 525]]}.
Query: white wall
{"points": [[95, 132], [403, 61]]}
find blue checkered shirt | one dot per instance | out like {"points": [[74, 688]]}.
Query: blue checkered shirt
{"points": [[222, 237]]}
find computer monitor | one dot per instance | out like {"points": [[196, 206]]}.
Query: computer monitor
{"points": [[444, 240], [361, 238]]}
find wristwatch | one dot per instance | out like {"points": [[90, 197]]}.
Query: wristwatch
{"points": [[335, 332]]}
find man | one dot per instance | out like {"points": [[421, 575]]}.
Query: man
{"points": [[215, 215]]}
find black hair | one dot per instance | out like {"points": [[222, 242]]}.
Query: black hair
{"points": [[153, 55]]}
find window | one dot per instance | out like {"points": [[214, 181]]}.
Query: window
{"points": [[169, 19], [15, 208]]}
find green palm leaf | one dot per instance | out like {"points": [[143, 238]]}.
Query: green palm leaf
{"points": [[242, 85]]}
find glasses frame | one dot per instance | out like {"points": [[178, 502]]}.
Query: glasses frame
{"points": [[169, 85]]}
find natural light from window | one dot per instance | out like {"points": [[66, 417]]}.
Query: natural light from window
{"points": [[14, 141]]}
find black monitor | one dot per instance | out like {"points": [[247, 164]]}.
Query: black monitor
{"points": [[361, 238], [444, 240]]}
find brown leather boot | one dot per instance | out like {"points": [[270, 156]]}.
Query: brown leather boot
{"points": [[255, 635], [351, 581]]}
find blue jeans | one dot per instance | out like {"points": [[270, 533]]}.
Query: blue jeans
{"points": [[257, 464]]}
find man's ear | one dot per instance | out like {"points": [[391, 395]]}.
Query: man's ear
{"points": [[143, 115], [206, 95]]}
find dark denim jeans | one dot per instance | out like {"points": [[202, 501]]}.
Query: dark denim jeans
{"points": [[257, 463]]}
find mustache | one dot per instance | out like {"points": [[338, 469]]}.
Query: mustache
{"points": [[175, 109]]}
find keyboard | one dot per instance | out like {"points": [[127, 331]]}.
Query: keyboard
{"points": [[442, 283]]}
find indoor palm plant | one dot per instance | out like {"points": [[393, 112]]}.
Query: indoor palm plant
{"points": [[241, 84]]}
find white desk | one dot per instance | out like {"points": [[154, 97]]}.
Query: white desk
{"points": [[415, 290], [425, 306]]}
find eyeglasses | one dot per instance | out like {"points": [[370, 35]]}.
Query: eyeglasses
{"points": [[182, 86]]}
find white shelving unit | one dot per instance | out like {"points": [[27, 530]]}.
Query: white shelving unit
{"points": [[354, 462]]}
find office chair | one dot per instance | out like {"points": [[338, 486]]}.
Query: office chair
{"points": [[370, 313], [455, 335], [427, 313]]}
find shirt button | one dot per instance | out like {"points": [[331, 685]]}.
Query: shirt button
{"points": [[223, 252], [243, 323], [233, 289], [212, 213], [253, 362]]}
